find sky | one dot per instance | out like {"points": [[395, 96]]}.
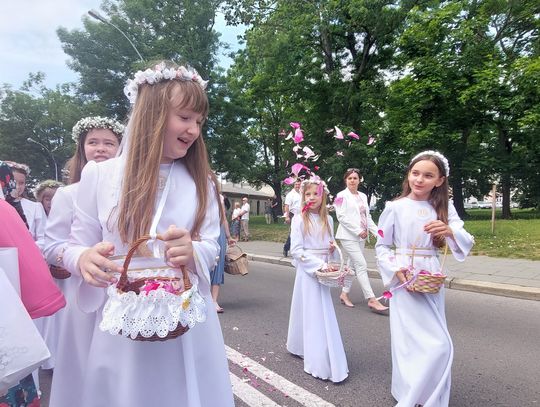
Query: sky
{"points": [[28, 40]]}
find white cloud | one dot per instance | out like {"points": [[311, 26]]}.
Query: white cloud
{"points": [[28, 41]]}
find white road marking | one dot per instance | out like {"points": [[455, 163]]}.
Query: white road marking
{"points": [[292, 390], [249, 394]]}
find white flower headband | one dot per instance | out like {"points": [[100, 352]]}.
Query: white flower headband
{"points": [[158, 74], [441, 157], [96, 122], [314, 180], [48, 183], [18, 166]]}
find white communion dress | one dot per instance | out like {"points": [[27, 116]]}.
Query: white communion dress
{"points": [[190, 370], [70, 343], [422, 350], [313, 327]]}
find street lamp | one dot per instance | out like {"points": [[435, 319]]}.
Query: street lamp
{"points": [[50, 153], [97, 16]]}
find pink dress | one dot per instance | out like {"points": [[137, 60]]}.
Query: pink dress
{"points": [[39, 294]]}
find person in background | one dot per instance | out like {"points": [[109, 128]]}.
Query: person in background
{"points": [[274, 204], [44, 193], [244, 218], [33, 211], [355, 224], [235, 221], [292, 207], [217, 275], [268, 211], [39, 294]]}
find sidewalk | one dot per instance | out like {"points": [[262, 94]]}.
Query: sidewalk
{"points": [[490, 275]]}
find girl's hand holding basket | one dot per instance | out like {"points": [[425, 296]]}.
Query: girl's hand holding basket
{"points": [[96, 267], [178, 247]]}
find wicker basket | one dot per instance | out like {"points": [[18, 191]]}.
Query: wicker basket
{"points": [[59, 273], [342, 277], [125, 286], [424, 281]]}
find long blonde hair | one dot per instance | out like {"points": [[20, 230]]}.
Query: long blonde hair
{"points": [[323, 211], [147, 127]]}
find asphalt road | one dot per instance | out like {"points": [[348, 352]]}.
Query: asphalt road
{"points": [[496, 340]]}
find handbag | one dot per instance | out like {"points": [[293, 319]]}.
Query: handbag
{"points": [[236, 261], [22, 349]]}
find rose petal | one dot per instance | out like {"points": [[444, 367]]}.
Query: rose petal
{"points": [[339, 133], [354, 135], [381, 233]]}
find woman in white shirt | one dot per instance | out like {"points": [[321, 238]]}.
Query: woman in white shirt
{"points": [[355, 223]]}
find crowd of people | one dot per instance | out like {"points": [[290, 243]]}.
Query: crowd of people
{"points": [[102, 321]]}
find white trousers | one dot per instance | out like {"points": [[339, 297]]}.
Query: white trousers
{"points": [[354, 251]]}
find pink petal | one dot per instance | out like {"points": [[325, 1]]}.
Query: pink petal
{"points": [[354, 135], [298, 136], [381, 233], [294, 125], [371, 140], [289, 136], [316, 168], [295, 148], [329, 130], [306, 207], [387, 295], [296, 168], [339, 133], [289, 181], [338, 200], [308, 152]]}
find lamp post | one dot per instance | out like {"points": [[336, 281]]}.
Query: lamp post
{"points": [[50, 153], [97, 16]]}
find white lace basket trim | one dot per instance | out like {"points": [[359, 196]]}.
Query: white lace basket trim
{"points": [[159, 312]]}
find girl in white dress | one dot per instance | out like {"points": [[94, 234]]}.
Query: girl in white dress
{"points": [[98, 139], [164, 170], [414, 226], [313, 329]]}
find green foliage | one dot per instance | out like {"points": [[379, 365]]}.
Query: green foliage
{"points": [[45, 115]]}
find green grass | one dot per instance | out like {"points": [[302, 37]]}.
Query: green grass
{"points": [[516, 238]]}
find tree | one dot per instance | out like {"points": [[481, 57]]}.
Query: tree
{"points": [[320, 63], [181, 31], [452, 58], [44, 115]]}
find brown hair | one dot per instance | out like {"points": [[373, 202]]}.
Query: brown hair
{"points": [[438, 197], [351, 171], [323, 212], [147, 126], [77, 162]]}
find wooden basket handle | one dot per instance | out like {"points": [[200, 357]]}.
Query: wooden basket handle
{"points": [[123, 280]]}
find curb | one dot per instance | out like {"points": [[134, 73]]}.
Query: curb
{"points": [[484, 287]]}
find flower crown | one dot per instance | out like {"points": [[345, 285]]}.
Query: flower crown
{"points": [[18, 166], [314, 180], [441, 157], [48, 183], [96, 122], [158, 74]]}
